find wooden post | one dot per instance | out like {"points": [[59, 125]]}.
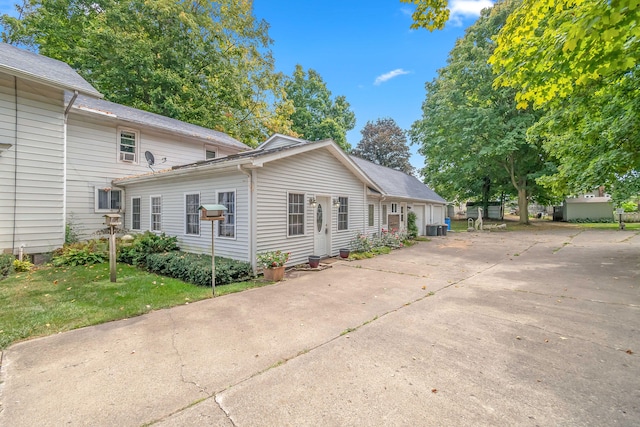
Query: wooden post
{"points": [[213, 259], [112, 254]]}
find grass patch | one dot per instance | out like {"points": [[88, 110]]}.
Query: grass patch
{"points": [[49, 300], [370, 254]]}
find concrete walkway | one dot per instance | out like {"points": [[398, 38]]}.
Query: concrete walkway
{"points": [[501, 328]]}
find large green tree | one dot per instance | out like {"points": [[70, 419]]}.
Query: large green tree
{"points": [[203, 62], [384, 143], [579, 62], [317, 115], [472, 135]]}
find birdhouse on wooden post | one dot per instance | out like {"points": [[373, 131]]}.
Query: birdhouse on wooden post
{"points": [[112, 221], [212, 212]]}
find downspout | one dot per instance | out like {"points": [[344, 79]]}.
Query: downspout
{"points": [[251, 180], [64, 162], [365, 211], [381, 220], [15, 164]]}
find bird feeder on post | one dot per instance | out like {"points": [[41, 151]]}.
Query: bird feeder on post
{"points": [[112, 221], [212, 213]]}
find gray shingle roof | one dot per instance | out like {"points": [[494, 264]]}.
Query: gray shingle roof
{"points": [[395, 183], [140, 117], [45, 70]]}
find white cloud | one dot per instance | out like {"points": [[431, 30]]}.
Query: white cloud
{"points": [[388, 76], [461, 9]]}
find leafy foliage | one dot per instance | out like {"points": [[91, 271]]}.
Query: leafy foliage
{"points": [[549, 49], [206, 63], [472, 135], [145, 244], [384, 143], [412, 227], [82, 253], [196, 269], [272, 259], [429, 14], [316, 115], [6, 264], [22, 266], [578, 61]]}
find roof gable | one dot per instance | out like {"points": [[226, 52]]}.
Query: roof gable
{"points": [[397, 184], [44, 70], [278, 140]]}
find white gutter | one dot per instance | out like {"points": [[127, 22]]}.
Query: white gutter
{"points": [[64, 161], [251, 185]]}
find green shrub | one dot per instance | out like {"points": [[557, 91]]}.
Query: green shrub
{"points": [[145, 244], [196, 269], [82, 253], [591, 220], [412, 228], [22, 266], [6, 264]]}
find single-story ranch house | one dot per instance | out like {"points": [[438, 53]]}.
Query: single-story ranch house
{"points": [[68, 157]]}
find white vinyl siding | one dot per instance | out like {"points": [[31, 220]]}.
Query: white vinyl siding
{"points": [[35, 129], [136, 218], [295, 216], [384, 215], [191, 214], [92, 162], [317, 173], [156, 213], [173, 210], [227, 227]]}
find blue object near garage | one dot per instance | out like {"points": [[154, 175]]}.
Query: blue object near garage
{"points": [[448, 222]]}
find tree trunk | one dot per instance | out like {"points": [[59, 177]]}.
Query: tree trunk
{"points": [[523, 205]]}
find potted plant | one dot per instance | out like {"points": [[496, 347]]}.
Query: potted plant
{"points": [[344, 253], [272, 263], [314, 261]]}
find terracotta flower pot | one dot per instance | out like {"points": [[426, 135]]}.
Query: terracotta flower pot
{"points": [[314, 261], [274, 274]]}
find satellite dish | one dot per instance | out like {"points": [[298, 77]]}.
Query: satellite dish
{"points": [[149, 156]]}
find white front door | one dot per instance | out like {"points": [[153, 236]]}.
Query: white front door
{"points": [[321, 227]]}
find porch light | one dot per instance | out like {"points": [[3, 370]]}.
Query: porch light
{"points": [[312, 202], [336, 202]]}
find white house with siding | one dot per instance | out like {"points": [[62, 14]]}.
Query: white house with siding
{"points": [[307, 198], [61, 146]]}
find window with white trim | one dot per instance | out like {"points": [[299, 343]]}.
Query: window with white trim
{"points": [[191, 213], [156, 213], [108, 199], [295, 217], [343, 213], [384, 214], [370, 216], [128, 145], [136, 218], [394, 208], [227, 227]]}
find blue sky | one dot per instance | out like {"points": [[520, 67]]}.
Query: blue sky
{"points": [[363, 50], [366, 52]]}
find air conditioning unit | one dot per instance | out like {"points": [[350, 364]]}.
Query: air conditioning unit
{"points": [[127, 157]]}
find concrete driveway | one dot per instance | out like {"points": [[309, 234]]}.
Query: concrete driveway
{"points": [[501, 328]]}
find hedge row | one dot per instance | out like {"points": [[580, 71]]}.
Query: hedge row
{"points": [[196, 269]]}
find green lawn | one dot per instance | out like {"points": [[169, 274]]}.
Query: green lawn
{"points": [[48, 300]]}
